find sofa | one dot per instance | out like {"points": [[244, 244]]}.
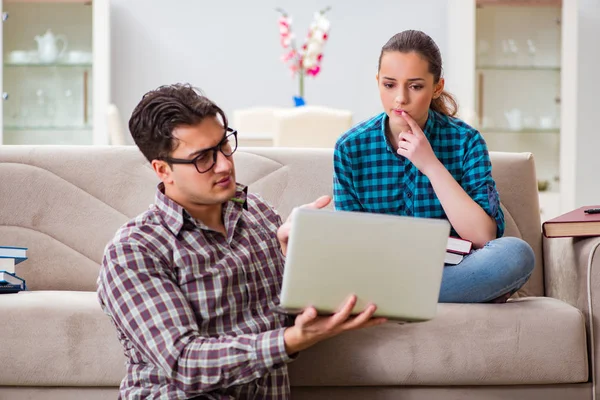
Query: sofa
{"points": [[65, 202]]}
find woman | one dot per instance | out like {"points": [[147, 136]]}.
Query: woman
{"points": [[417, 159]]}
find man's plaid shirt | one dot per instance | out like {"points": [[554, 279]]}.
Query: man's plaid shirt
{"points": [[192, 307]]}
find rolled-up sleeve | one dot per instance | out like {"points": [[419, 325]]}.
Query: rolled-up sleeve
{"points": [[477, 180]]}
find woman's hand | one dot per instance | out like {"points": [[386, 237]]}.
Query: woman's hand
{"points": [[413, 144]]}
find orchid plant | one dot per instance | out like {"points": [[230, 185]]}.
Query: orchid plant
{"points": [[304, 60]]}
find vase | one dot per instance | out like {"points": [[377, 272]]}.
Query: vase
{"points": [[299, 101]]}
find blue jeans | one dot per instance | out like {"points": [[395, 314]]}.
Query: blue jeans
{"points": [[502, 266]]}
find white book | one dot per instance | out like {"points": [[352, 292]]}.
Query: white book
{"points": [[453, 258], [7, 264], [458, 245], [10, 279], [14, 252]]}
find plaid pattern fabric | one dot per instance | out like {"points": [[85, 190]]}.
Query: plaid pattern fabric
{"points": [[370, 176], [192, 308]]}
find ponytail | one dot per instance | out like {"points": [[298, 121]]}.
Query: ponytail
{"points": [[445, 104]]}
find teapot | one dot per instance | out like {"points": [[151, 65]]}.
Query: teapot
{"points": [[48, 50]]}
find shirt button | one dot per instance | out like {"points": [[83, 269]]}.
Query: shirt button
{"points": [[409, 195], [408, 212]]}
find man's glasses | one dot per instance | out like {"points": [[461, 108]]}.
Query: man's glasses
{"points": [[207, 158]]}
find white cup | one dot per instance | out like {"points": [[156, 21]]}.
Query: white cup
{"points": [[19, 57], [78, 57], [546, 122]]}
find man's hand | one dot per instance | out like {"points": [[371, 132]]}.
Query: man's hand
{"points": [[413, 144], [309, 329], [283, 233]]}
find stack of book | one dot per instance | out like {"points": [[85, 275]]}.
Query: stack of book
{"points": [[9, 257], [456, 250]]}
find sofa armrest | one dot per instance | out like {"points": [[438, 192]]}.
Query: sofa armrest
{"points": [[572, 274], [566, 263]]}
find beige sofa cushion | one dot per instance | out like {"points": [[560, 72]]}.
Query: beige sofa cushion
{"points": [[58, 339], [65, 203], [526, 341], [63, 338]]}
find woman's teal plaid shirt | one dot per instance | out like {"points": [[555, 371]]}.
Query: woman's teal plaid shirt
{"points": [[370, 176]]}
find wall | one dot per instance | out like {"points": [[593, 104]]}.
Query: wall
{"points": [[588, 137], [580, 140], [231, 49]]}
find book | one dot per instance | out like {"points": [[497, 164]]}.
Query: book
{"points": [[13, 252], [11, 256], [7, 278], [11, 289], [453, 258], [11, 283], [7, 264], [458, 245], [573, 224]]}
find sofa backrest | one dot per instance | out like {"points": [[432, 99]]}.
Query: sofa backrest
{"points": [[66, 202], [290, 177]]}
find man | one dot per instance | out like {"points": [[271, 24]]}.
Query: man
{"points": [[190, 284]]}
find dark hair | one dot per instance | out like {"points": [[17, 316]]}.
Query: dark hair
{"points": [[162, 110], [422, 44]]}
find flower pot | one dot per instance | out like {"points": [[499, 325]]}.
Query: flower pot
{"points": [[299, 101]]}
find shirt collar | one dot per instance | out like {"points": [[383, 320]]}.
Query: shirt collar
{"points": [[176, 217], [386, 140], [432, 120], [428, 130]]}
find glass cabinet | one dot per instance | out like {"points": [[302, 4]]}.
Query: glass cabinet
{"points": [[51, 52], [518, 79], [505, 61]]}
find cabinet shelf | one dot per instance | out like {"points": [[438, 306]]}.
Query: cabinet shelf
{"points": [[40, 65], [48, 128], [85, 2], [524, 131], [518, 68]]}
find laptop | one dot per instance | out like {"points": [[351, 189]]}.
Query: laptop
{"points": [[395, 262]]}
